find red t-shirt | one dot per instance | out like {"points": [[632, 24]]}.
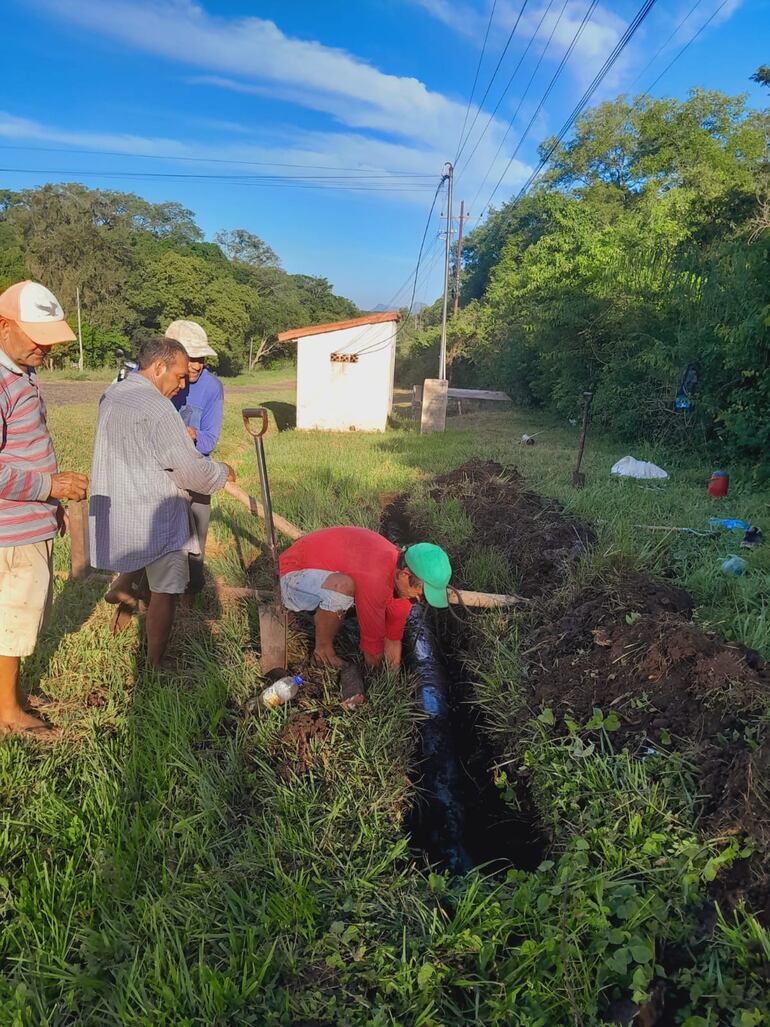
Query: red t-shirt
{"points": [[370, 560]]}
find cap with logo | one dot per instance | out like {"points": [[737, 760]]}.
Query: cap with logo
{"points": [[37, 312], [431, 565], [192, 337]]}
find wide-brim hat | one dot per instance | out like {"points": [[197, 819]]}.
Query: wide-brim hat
{"points": [[192, 337], [37, 312]]}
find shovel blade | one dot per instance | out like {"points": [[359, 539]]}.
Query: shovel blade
{"points": [[273, 634]]}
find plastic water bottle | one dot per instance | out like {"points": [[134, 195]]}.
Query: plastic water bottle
{"points": [[281, 691]]}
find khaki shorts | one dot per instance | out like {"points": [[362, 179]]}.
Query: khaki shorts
{"points": [[170, 573], [25, 595]]}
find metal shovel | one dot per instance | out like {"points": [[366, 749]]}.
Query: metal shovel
{"points": [[273, 618]]}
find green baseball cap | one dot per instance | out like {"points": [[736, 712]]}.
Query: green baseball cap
{"points": [[431, 565]]}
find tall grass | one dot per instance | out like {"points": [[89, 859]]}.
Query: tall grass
{"points": [[158, 866]]}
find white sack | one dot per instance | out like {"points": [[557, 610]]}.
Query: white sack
{"points": [[629, 467]]}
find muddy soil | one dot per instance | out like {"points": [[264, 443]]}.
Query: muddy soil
{"points": [[294, 746], [630, 646]]}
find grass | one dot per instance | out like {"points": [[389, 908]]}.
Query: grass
{"points": [[155, 869]]}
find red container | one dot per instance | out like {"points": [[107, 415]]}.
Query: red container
{"points": [[718, 484]]}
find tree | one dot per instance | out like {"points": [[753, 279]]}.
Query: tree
{"points": [[762, 75], [243, 246]]}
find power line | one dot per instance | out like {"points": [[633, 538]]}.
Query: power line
{"points": [[490, 119], [589, 11], [489, 86], [475, 79], [526, 89], [298, 181], [663, 46], [686, 46], [368, 329], [202, 160], [622, 43]]}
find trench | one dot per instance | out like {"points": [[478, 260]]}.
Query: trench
{"points": [[458, 819]]}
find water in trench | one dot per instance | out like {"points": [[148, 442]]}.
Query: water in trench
{"points": [[459, 819]]}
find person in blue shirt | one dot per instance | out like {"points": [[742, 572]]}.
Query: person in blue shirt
{"points": [[200, 405]]}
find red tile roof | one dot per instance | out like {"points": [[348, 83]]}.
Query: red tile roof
{"points": [[335, 326]]}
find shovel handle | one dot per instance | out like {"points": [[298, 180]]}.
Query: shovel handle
{"points": [[254, 412]]}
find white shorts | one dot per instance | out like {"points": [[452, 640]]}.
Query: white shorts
{"points": [[303, 590], [25, 595], [170, 573]]}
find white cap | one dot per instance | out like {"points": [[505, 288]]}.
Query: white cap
{"points": [[192, 337], [37, 312]]}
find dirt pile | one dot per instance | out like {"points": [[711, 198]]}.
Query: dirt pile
{"points": [[539, 539], [630, 647], [294, 746]]}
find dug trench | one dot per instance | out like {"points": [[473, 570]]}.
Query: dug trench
{"points": [[626, 644]]}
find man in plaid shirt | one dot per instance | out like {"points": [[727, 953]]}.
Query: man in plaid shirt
{"points": [[144, 466]]}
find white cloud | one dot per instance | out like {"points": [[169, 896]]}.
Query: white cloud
{"points": [[252, 55]]}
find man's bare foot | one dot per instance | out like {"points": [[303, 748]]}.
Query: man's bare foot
{"points": [[19, 722], [353, 702], [327, 658]]}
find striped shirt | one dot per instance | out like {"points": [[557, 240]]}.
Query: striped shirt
{"points": [[27, 460], [143, 463]]}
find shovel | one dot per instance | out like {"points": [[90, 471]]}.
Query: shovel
{"points": [[273, 618], [578, 478]]}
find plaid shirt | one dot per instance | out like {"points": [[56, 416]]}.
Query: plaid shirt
{"points": [[143, 462]]}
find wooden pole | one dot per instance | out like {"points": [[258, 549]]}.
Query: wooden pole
{"points": [[77, 511], [578, 478], [257, 510], [80, 334]]}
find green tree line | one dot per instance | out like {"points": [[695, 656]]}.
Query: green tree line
{"points": [[642, 252], [140, 265]]}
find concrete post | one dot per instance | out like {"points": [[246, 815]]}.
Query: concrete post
{"points": [[434, 400]]}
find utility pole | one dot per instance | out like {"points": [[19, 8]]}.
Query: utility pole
{"points": [[458, 256], [80, 333], [447, 252]]}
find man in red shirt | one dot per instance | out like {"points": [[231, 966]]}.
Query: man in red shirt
{"points": [[330, 570]]}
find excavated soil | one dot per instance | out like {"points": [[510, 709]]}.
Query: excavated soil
{"points": [[294, 746], [631, 647], [538, 537]]}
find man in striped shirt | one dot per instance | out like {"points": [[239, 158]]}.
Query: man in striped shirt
{"points": [[31, 322]]}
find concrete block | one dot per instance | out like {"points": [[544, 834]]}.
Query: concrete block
{"points": [[434, 400]]}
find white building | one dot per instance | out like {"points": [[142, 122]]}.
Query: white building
{"points": [[345, 373]]}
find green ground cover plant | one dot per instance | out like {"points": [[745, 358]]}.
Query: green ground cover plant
{"points": [[160, 866]]}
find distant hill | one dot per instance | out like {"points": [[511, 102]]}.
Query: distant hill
{"points": [[381, 308]]}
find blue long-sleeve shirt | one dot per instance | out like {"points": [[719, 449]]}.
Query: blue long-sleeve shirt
{"points": [[200, 405]]}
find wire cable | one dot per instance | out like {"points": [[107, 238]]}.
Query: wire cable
{"points": [[475, 79], [663, 46], [589, 11], [203, 160], [622, 43], [686, 46], [368, 329], [489, 86], [532, 38], [523, 95], [298, 182]]}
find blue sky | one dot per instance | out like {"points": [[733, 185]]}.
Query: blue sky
{"points": [[370, 96]]}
